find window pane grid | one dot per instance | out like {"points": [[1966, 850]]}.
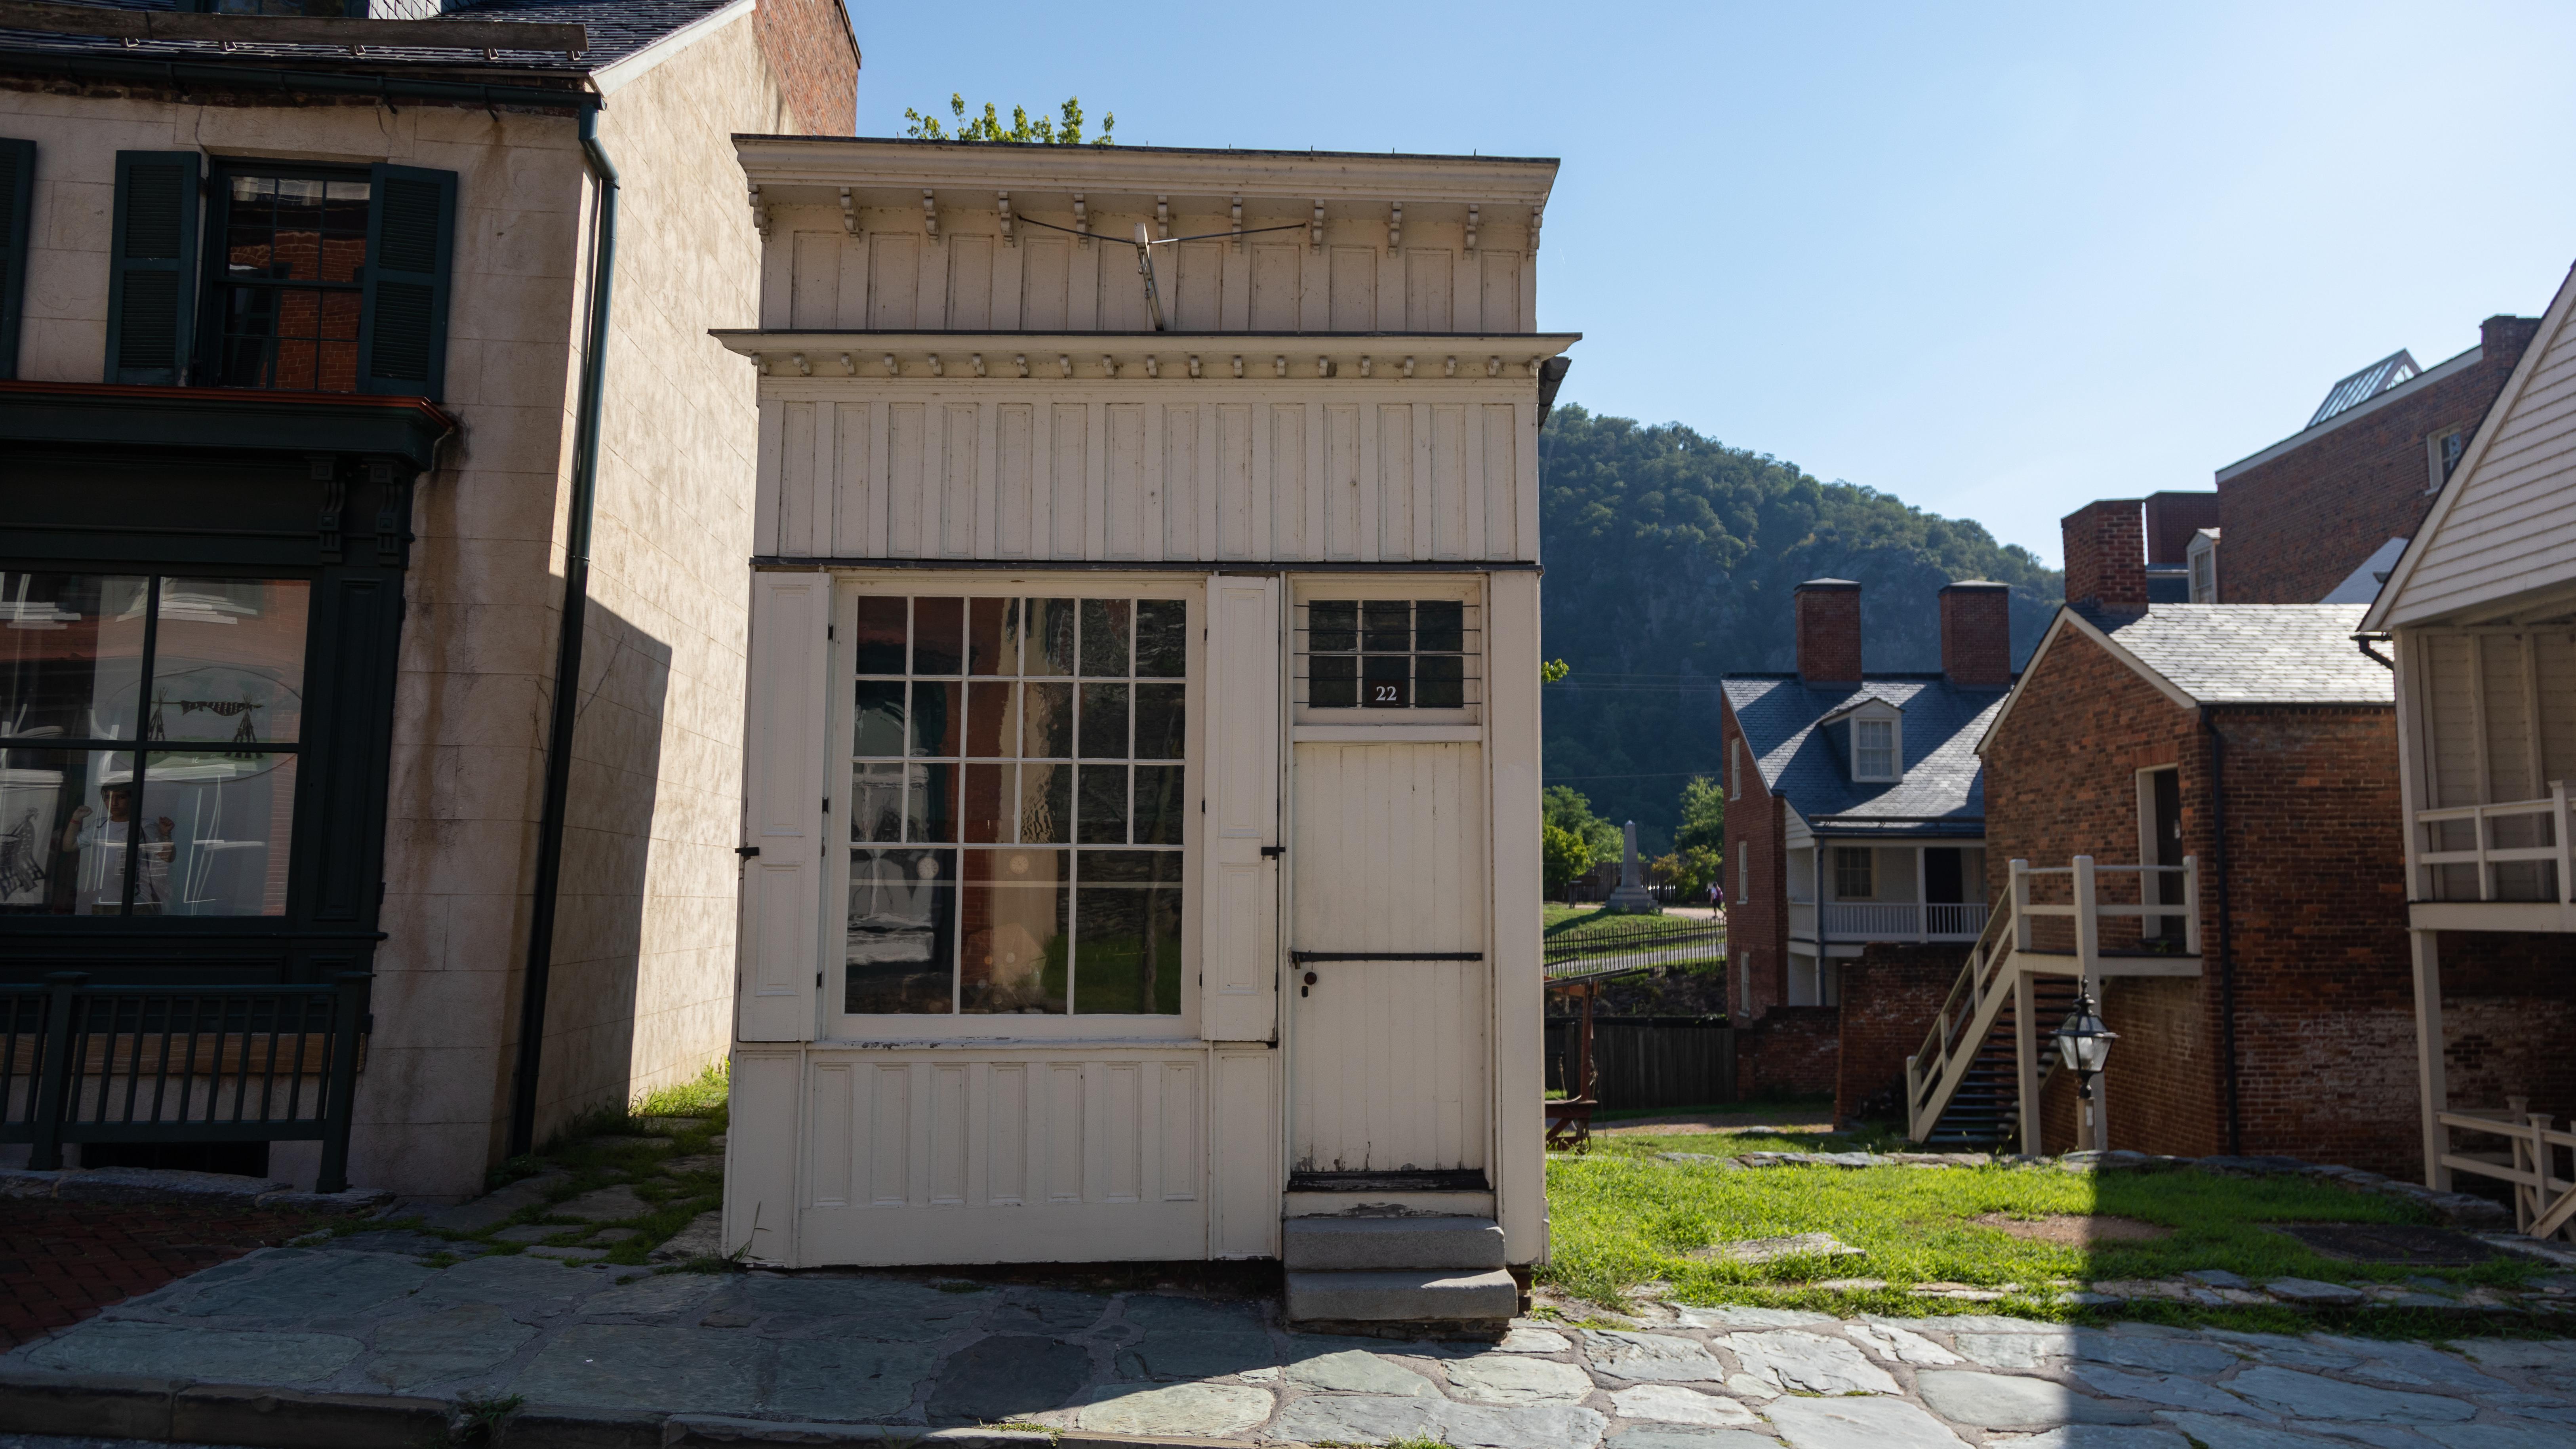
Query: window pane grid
{"points": [[1387, 654], [294, 268], [1016, 805]]}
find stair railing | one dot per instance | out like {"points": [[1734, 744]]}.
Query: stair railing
{"points": [[1933, 1074]]}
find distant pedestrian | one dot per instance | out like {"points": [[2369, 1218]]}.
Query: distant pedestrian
{"points": [[1716, 896]]}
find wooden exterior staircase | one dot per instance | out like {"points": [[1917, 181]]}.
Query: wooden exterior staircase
{"points": [[1976, 1081]]}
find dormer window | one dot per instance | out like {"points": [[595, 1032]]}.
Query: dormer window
{"points": [[1873, 749]]}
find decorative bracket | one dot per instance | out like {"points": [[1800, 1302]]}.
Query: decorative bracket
{"points": [[1194, 364], [1449, 367], [1162, 218], [335, 496], [1472, 217], [1394, 227], [803, 368], [759, 211], [930, 213], [1364, 366], [390, 533], [1537, 216], [1493, 367], [891, 369], [1323, 367], [1003, 209], [935, 369], [1408, 367], [1081, 222], [1281, 363], [849, 367], [1109, 364], [1064, 363], [1238, 365], [978, 360], [1020, 360], [849, 213], [1153, 365], [1315, 230], [1238, 223]]}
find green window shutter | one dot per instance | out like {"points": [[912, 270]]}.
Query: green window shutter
{"points": [[411, 238], [17, 192], [152, 267]]}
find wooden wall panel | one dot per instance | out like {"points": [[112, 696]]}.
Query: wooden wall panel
{"points": [[1046, 269], [958, 457], [1181, 482], [1430, 274], [1276, 271], [1015, 431], [1198, 300], [1395, 481], [907, 444], [1354, 290], [1235, 494], [1501, 304], [1445, 464], [1068, 478], [894, 282], [970, 283], [1129, 458]]}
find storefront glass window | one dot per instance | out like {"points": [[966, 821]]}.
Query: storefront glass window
{"points": [[208, 675], [1016, 806]]}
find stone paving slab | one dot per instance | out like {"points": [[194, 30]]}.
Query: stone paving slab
{"points": [[815, 1358]]}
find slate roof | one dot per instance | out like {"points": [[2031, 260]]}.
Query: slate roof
{"points": [[618, 29], [2253, 653], [1943, 793]]}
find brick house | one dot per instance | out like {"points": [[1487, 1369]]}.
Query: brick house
{"points": [[1855, 812], [2320, 515], [2479, 616], [2238, 764]]}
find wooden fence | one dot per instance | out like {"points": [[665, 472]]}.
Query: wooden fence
{"points": [[1649, 1061]]}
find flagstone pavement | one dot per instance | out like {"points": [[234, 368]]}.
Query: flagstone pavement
{"points": [[372, 1314]]}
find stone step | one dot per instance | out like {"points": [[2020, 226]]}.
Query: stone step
{"points": [[1436, 1296], [1381, 1244]]}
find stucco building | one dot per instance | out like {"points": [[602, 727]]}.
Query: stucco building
{"points": [[336, 343]]}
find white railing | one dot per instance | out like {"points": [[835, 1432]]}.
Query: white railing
{"points": [[2486, 855], [1802, 920], [1959, 1029], [2544, 1204], [1902, 921]]}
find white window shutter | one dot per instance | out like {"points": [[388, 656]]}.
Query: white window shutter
{"points": [[1239, 972], [785, 780]]}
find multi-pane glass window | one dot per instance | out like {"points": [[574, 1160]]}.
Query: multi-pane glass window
{"points": [[1016, 806], [294, 274], [1855, 875], [1874, 749], [1386, 654], [149, 728]]}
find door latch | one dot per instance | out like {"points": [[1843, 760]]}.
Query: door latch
{"points": [[746, 851], [1309, 986], [1273, 852]]}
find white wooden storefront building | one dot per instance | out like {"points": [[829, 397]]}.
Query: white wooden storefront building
{"points": [[1062, 624]]}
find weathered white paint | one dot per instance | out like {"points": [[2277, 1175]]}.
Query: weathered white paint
{"points": [[1388, 1066], [1239, 961], [1517, 1168], [782, 891]]}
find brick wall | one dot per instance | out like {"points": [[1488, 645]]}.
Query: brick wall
{"points": [[2106, 554], [1829, 631], [2295, 526], [1790, 1052], [2508, 1004], [1757, 917], [2315, 893], [810, 46], [1976, 634], [2171, 520], [1890, 995]]}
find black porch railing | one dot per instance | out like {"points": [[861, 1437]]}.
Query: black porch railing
{"points": [[265, 1063]]}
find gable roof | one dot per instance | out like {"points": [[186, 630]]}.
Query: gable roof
{"points": [[2505, 523], [2231, 654], [619, 29], [1943, 791]]}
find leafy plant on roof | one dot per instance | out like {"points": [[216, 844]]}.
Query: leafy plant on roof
{"points": [[988, 126]]}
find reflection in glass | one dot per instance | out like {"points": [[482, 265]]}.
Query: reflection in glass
{"points": [[902, 938], [228, 662], [880, 718], [1333, 681], [1127, 950], [1385, 681], [1160, 727], [1439, 681], [1439, 626], [878, 638], [1104, 721], [1046, 804], [1158, 805], [931, 813], [101, 834], [1104, 637], [1102, 817], [216, 831], [989, 801], [1162, 638], [992, 636], [1050, 646], [71, 655], [876, 803], [1048, 728], [1016, 906], [939, 636], [64, 819], [938, 717], [1333, 626], [992, 727], [1386, 626]]}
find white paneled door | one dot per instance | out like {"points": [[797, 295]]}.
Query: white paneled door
{"points": [[1387, 1058]]}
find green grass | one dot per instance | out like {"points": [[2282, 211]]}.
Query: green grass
{"points": [[1621, 1216], [690, 1099]]}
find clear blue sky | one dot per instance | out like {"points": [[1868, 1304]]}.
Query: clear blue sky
{"points": [[1996, 260]]}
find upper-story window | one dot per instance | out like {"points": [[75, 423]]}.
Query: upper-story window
{"points": [[2202, 557], [2447, 448], [1855, 873], [1874, 749], [296, 278]]}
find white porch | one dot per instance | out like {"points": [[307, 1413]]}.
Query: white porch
{"points": [[1844, 894]]}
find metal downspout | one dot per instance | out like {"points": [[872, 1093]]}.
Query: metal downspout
{"points": [[2226, 955], [576, 609]]}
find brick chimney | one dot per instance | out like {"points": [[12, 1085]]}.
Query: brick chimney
{"points": [[1976, 634], [1829, 632], [2106, 554], [2503, 337], [2172, 519]]}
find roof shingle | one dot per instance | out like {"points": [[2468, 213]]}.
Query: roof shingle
{"points": [[1943, 789], [2253, 653], [618, 29]]}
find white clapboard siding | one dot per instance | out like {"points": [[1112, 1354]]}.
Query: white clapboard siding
{"points": [[2481, 744], [1389, 1057], [780, 944], [1239, 973], [1219, 472], [1007, 1156], [894, 277], [2510, 527]]}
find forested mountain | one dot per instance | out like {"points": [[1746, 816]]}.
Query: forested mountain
{"points": [[1670, 560]]}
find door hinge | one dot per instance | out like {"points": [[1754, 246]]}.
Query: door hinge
{"points": [[1273, 852], [827, 804], [746, 851], [818, 978], [831, 631]]}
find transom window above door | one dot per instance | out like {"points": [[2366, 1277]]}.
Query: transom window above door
{"points": [[1387, 659], [1017, 805]]}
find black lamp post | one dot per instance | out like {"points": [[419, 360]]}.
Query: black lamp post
{"points": [[2084, 1043]]}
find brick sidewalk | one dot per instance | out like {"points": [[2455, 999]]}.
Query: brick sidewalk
{"points": [[61, 1262]]}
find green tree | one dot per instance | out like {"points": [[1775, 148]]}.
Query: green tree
{"points": [[1562, 807], [1563, 855], [1690, 869], [1703, 816], [989, 127]]}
